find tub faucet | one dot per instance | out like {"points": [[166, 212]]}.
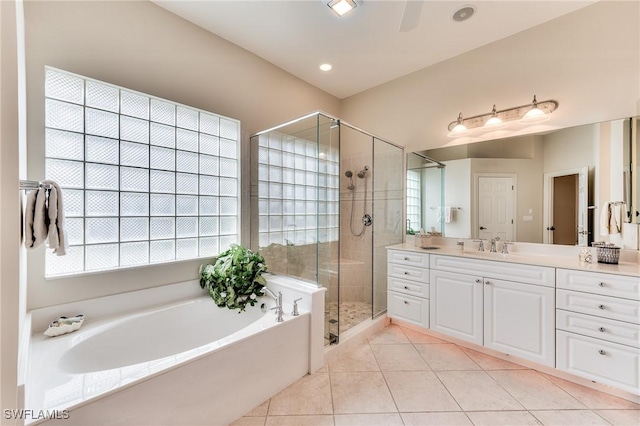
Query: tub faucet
{"points": [[278, 299]]}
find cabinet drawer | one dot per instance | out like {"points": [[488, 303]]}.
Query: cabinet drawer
{"points": [[598, 360], [601, 306], [412, 288], [408, 308], [599, 328], [528, 274], [410, 258], [408, 272], [594, 282]]}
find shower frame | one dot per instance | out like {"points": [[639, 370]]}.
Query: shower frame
{"points": [[322, 275]]}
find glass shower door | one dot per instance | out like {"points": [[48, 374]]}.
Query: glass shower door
{"points": [[388, 208]]}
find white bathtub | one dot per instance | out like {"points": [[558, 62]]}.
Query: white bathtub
{"points": [[186, 362]]}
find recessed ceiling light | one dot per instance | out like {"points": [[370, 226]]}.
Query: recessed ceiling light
{"points": [[464, 13], [342, 7], [326, 67]]}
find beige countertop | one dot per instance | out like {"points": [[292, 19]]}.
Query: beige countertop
{"points": [[554, 260]]}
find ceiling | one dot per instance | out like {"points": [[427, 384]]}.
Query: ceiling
{"points": [[365, 46]]}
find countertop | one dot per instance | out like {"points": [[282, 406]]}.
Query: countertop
{"points": [[552, 259]]}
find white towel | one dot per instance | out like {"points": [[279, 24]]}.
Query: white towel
{"points": [[55, 213], [447, 214], [36, 221], [611, 218], [444, 214]]}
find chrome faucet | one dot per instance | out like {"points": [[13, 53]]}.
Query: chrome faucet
{"points": [[480, 245], [493, 244], [505, 248], [278, 299]]}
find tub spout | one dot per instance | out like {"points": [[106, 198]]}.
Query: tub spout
{"points": [[278, 299]]}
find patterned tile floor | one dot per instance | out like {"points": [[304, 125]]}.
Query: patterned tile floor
{"points": [[402, 377], [351, 314]]}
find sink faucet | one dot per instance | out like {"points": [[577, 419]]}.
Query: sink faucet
{"points": [[480, 244], [505, 248], [278, 299], [493, 244]]}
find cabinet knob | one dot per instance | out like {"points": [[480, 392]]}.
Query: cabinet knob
{"points": [[406, 273], [478, 280], [406, 303], [601, 284], [602, 352], [601, 306], [602, 329], [406, 288], [487, 282], [406, 258]]}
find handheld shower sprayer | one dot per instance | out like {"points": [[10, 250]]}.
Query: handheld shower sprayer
{"points": [[349, 174]]}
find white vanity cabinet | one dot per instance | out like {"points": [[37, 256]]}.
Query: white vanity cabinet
{"points": [[408, 286], [504, 306], [598, 327]]}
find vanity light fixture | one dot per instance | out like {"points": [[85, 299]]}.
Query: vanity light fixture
{"points": [[342, 7], [535, 112]]}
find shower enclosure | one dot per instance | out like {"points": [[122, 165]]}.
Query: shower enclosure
{"points": [[326, 199]]}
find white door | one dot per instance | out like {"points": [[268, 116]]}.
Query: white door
{"points": [[495, 208], [519, 320], [456, 305]]}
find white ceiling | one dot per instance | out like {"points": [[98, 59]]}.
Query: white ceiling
{"points": [[365, 47]]}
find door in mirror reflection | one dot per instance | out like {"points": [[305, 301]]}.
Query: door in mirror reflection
{"points": [[495, 207]]}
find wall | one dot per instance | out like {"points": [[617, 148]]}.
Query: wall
{"points": [[141, 46], [457, 183], [10, 314], [588, 60], [570, 148]]}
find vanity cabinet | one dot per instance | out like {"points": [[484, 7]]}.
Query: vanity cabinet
{"points": [[408, 286], [480, 304], [598, 327]]}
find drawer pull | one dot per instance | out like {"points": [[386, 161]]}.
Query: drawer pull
{"points": [[602, 352], [406, 273], [406, 258], [406, 303], [478, 280], [601, 284], [602, 329], [406, 288], [601, 306], [487, 282]]}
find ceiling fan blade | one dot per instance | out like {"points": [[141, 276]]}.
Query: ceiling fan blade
{"points": [[411, 15]]}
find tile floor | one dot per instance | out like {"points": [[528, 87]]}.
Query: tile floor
{"points": [[402, 377]]}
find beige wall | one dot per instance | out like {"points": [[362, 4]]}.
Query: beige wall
{"points": [[143, 47], [587, 60], [570, 148], [9, 207]]}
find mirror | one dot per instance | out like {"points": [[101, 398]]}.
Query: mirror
{"points": [[542, 188]]}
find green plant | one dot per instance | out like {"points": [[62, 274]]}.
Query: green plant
{"points": [[235, 280]]}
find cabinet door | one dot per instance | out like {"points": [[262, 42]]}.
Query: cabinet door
{"points": [[519, 320], [456, 305]]}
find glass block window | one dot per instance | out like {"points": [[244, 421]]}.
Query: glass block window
{"points": [[414, 214], [298, 191], [144, 180]]}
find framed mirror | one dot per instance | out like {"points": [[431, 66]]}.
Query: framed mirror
{"points": [[542, 188]]}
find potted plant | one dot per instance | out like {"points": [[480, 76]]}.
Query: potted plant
{"points": [[235, 280]]}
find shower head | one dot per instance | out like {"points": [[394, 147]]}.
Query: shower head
{"points": [[362, 173], [348, 173]]}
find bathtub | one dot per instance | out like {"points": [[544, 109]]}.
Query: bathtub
{"points": [[177, 362]]}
